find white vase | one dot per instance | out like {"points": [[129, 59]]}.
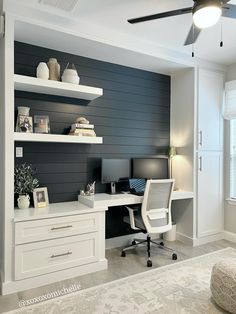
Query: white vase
{"points": [[70, 76], [42, 71], [23, 111], [23, 201]]}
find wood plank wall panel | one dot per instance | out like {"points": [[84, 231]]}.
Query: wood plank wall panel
{"points": [[133, 116]]}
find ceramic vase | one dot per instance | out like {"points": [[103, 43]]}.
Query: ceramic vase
{"points": [[42, 71], [23, 201], [23, 111], [54, 69], [70, 75]]}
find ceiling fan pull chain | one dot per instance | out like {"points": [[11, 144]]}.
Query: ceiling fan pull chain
{"points": [[221, 33], [193, 54]]}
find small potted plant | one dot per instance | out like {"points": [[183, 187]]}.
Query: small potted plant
{"points": [[24, 183]]}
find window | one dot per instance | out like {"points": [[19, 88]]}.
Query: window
{"points": [[229, 113], [233, 158]]}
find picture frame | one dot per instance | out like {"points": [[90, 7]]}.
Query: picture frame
{"points": [[41, 124], [40, 196], [24, 124]]}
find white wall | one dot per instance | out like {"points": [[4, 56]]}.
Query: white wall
{"points": [[181, 136], [1, 146], [230, 210]]}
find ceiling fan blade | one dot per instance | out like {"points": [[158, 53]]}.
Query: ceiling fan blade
{"points": [[192, 35], [160, 15], [229, 11]]}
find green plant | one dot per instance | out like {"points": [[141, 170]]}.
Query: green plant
{"points": [[24, 180]]}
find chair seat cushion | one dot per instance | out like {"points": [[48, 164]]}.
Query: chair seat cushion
{"points": [[223, 285]]}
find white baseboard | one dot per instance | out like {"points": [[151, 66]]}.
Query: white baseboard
{"points": [[185, 239], [209, 238], [123, 241], [230, 236]]}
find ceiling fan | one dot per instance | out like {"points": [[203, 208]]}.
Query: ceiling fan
{"points": [[206, 13]]}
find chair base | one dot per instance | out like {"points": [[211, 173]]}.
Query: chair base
{"points": [[136, 242]]}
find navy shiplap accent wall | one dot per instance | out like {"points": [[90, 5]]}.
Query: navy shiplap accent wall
{"points": [[132, 116]]}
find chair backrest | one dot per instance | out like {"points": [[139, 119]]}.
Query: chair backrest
{"points": [[156, 205]]}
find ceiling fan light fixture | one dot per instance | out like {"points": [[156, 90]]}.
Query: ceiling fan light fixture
{"points": [[206, 13]]}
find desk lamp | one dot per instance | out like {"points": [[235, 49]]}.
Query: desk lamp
{"points": [[171, 154]]}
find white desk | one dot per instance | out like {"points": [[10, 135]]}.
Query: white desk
{"points": [[103, 199]]}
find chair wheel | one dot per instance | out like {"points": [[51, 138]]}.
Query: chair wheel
{"points": [[133, 242], [149, 263], [123, 254], [174, 257], [162, 244]]}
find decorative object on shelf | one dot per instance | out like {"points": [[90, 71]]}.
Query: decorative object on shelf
{"points": [[82, 193], [40, 197], [23, 201], [24, 122], [82, 120], [70, 75], [172, 152], [23, 111], [54, 69], [82, 128], [42, 71], [41, 124], [24, 183], [90, 189]]}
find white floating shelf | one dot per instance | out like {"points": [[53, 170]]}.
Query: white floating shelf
{"points": [[56, 138], [40, 86]]}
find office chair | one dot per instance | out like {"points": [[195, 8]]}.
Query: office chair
{"points": [[155, 215]]}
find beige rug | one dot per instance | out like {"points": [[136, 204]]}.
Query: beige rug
{"points": [[181, 288]]}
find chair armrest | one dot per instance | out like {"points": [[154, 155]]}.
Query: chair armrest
{"points": [[131, 217]]}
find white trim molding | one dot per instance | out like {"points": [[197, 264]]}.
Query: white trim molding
{"points": [[230, 236]]}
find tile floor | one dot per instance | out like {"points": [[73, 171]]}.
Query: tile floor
{"points": [[118, 267]]}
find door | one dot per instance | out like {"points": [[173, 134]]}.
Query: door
{"points": [[210, 120], [209, 201]]}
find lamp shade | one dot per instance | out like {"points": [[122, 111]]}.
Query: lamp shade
{"points": [[172, 151]]}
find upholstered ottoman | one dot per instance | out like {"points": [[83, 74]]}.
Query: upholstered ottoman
{"points": [[223, 285]]}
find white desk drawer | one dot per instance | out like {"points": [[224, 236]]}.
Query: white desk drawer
{"points": [[44, 257], [46, 229]]}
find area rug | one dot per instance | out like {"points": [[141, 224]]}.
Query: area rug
{"points": [[179, 288]]}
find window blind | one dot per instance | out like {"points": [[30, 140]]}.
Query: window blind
{"points": [[233, 158], [229, 111]]}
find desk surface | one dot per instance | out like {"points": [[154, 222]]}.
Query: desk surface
{"points": [[103, 199]]}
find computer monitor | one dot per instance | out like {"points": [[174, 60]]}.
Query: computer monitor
{"points": [[150, 168], [113, 170]]}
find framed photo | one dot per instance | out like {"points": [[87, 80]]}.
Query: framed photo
{"points": [[41, 124], [24, 124], [40, 197]]}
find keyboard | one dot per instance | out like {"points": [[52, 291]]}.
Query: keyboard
{"points": [[138, 193]]}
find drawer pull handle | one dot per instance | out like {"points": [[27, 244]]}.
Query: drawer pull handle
{"points": [[59, 255], [63, 227], [200, 141]]}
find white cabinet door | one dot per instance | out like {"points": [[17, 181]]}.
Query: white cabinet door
{"points": [[209, 201], [210, 120]]}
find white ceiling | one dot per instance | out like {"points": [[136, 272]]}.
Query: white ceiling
{"points": [[107, 20], [169, 32]]}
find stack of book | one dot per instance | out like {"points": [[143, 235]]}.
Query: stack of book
{"points": [[80, 129]]}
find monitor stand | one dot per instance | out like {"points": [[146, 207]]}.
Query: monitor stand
{"points": [[113, 188]]}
